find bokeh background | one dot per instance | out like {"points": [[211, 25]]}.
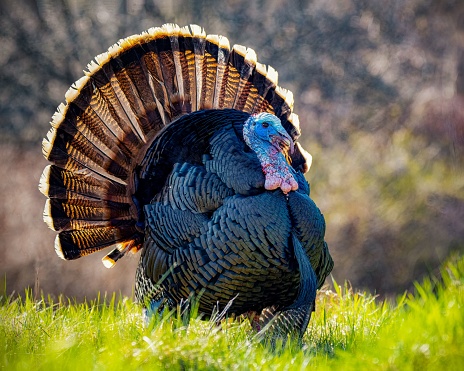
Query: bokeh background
{"points": [[378, 86]]}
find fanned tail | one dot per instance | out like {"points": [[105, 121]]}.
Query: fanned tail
{"points": [[112, 115]]}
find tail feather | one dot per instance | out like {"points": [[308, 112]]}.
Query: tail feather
{"points": [[152, 65], [102, 119], [245, 67], [222, 58], [93, 128], [150, 118], [198, 41], [62, 212], [74, 244], [182, 81], [126, 101], [231, 78], [265, 80], [125, 85], [114, 113], [115, 106], [209, 72], [56, 182], [73, 144]]}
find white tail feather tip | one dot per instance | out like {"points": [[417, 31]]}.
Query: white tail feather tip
{"points": [[197, 31], [108, 262], [58, 248], [240, 49], [272, 75], [44, 186], [251, 56]]}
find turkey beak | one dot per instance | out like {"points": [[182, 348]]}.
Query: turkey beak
{"points": [[283, 141]]}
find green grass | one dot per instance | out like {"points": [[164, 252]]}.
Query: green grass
{"points": [[350, 330]]}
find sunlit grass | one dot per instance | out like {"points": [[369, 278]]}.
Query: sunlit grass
{"points": [[349, 330]]}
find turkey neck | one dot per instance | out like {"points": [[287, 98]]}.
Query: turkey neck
{"points": [[276, 170]]}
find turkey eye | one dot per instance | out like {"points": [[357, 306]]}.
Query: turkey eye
{"points": [[265, 124]]}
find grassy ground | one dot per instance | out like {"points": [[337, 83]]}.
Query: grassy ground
{"points": [[350, 330]]}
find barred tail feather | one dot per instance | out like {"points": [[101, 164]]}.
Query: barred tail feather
{"points": [[112, 115], [74, 244], [57, 182], [223, 52]]}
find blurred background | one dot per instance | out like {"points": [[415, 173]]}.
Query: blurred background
{"points": [[378, 86]]}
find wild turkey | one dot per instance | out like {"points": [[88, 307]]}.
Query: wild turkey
{"points": [[174, 144]]}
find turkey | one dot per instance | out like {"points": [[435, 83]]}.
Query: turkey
{"points": [[177, 145]]}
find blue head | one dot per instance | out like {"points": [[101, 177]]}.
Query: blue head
{"points": [[266, 136], [264, 131]]}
